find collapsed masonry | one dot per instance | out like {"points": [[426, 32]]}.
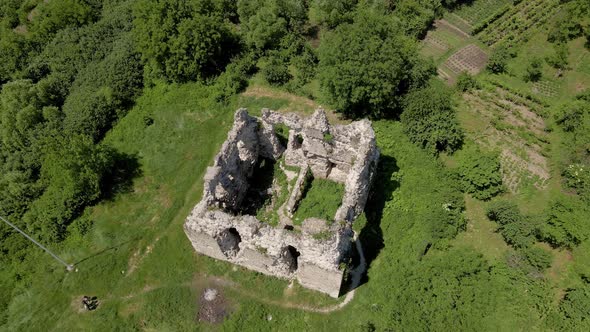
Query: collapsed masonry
{"points": [[313, 251]]}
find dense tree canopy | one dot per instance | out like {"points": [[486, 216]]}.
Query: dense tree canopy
{"points": [[266, 22], [182, 40], [429, 119], [367, 66]]}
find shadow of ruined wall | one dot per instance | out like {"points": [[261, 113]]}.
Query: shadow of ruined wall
{"points": [[345, 154]]}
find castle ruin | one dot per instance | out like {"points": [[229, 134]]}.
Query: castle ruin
{"points": [[224, 224]]}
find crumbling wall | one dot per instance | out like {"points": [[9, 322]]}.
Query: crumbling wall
{"points": [[342, 153], [226, 183]]}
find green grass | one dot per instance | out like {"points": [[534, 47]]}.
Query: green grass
{"points": [[320, 200], [481, 232], [268, 213]]}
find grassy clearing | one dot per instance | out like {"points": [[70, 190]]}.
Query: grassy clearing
{"points": [[481, 232], [320, 200]]}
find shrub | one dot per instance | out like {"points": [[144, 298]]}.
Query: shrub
{"points": [[533, 70], [559, 59], [466, 82], [498, 60], [578, 177], [182, 40], [570, 116], [331, 13], [503, 212], [519, 234], [235, 77], [566, 224], [276, 71], [365, 67], [573, 309], [537, 257], [430, 120], [480, 173]]}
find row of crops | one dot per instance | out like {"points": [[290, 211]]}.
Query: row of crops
{"points": [[478, 11], [515, 24]]}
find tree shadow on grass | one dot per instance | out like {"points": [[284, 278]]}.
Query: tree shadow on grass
{"points": [[371, 235], [105, 250], [119, 179]]}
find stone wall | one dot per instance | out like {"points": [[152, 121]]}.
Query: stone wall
{"points": [[342, 153]]}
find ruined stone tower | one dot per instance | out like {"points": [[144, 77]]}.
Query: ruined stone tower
{"points": [[224, 224]]}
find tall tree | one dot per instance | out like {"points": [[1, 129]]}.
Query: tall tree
{"points": [[182, 40], [367, 66]]}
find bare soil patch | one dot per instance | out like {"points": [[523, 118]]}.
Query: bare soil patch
{"points": [[470, 58], [21, 29], [213, 307], [434, 42]]}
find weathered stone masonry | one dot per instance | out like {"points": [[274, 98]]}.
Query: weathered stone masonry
{"points": [[341, 153]]}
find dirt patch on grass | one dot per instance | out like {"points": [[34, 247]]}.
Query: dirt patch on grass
{"points": [[76, 304], [470, 58], [213, 306], [21, 29], [514, 130], [435, 42]]}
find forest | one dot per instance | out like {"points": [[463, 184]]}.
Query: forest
{"points": [[110, 111]]}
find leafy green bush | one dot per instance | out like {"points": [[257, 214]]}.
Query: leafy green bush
{"points": [[331, 13], [538, 258], [265, 22], [571, 115], [235, 77], [517, 230], [480, 174], [182, 40], [572, 314], [276, 71], [578, 177], [74, 169], [520, 234], [498, 60], [53, 16], [564, 28], [503, 212], [430, 120], [566, 224], [533, 70], [466, 82], [559, 59]]}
